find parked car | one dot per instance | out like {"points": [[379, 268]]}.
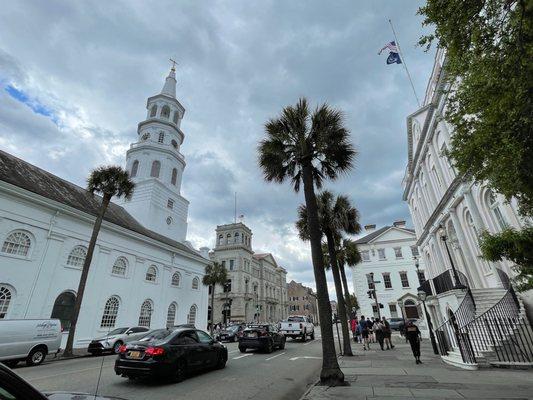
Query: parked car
{"points": [[13, 387], [28, 339], [264, 337], [232, 333], [395, 323], [298, 326], [116, 338], [170, 353]]}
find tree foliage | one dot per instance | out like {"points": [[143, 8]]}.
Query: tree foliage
{"points": [[489, 71], [515, 246]]}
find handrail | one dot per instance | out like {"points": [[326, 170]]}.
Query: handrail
{"points": [[445, 281]]}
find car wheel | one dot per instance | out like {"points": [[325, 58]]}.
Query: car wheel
{"points": [[36, 356], [116, 346], [242, 349], [270, 347], [282, 344], [221, 363], [313, 335], [179, 373]]}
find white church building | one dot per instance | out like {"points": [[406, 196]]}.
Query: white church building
{"points": [[143, 271]]}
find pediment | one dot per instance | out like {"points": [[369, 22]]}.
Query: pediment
{"points": [[394, 234]]}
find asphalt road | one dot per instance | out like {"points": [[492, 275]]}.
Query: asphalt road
{"points": [[283, 374]]}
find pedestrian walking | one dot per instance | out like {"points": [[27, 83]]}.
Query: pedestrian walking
{"points": [[413, 335], [353, 328], [379, 331], [369, 326], [364, 332], [387, 333]]}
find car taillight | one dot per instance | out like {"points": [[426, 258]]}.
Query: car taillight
{"points": [[122, 349], [154, 351], [263, 333]]}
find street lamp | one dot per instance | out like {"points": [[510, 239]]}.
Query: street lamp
{"points": [[400, 304], [422, 297], [444, 238]]}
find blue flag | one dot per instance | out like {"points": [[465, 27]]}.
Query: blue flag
{"points": [[394, 55]]}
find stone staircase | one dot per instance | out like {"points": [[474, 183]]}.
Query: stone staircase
{"points": [[484, 300]]}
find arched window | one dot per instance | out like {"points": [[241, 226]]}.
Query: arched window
{"points": [[165, 112], [191, 318], [120, 266], [176, 279], [195, 283], [236, 237], [63, 309], [246, 284], [156, 167], [151, 274], [17, 243], [176, 117], [109, 317], [153, 111], [220, 239], [174, 177], [228, 238], [134, 169], [76, 258], [411, 311], [171, 315], [495, 209], [174, 144], [161, 138], [5, 299], [145, 316]]}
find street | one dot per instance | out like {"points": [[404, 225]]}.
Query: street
{"points": [[282, 374]]}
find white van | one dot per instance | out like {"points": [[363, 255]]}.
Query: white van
{"points": [[28, 339]]}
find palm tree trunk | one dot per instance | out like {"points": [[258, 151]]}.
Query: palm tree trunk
{"points": [[213, 308], [340, 294], [84, 274], [345, 284], [331, 373]]}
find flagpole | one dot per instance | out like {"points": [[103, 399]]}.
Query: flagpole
{"points": [[235, 207], [403, 62]]}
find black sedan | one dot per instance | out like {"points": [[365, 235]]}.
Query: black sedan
{"points": [[232, 333], [264, 337], [14, 387], [170, 353]]}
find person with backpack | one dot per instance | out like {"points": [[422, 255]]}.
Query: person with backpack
{"points": [[387, 333], [414, 336], [364, 333], [379, 331]]}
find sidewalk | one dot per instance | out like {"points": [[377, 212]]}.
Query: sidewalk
{"points": [[393, 375]]}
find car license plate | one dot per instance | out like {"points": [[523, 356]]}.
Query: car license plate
{"points": [[252, 334], [135, 354]]}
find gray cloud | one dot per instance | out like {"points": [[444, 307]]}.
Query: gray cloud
{"points": [[95, 64]]}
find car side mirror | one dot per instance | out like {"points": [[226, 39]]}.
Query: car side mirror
{"points": [[128, 333]]}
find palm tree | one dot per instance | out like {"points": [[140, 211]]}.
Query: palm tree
{"points": [[335, 215], [109, 181], [215, 274], [348, 254], [307, 148]]}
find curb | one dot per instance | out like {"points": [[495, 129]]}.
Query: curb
{"points": [[311, 387]]}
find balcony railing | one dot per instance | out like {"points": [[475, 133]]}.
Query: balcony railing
{"points": [[446, 282]]}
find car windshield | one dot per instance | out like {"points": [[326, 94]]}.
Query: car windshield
{"points": [[295, 319], [158, 334], [117, 331]]}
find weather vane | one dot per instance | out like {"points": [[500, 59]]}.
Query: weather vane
{"points": [[173, 64]]}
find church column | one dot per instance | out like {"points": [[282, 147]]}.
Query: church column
{"points": [[431, 191]]}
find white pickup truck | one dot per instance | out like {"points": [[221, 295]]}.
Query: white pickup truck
{"points": [[298, 326]]}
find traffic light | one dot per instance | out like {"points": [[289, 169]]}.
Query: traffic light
{"points": [[381, 305], [369, 293]]}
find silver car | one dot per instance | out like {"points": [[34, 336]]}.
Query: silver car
{"points": [[116, 338]]}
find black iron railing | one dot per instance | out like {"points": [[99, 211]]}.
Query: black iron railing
{"points": [[426, 287], [445, 281]]}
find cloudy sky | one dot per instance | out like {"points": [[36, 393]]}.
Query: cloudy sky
{"points": [[74, 78]]}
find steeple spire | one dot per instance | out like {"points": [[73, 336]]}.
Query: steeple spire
{"points": [[169, 88]]}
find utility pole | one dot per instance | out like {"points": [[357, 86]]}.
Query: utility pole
{"points": [[373, 294]]}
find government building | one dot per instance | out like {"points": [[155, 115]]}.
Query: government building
{"points": [[449, 213], [389, 266], [257, 287], [143, 271]]}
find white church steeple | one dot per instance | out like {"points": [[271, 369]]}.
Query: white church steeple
{"points": [[156, 165]]}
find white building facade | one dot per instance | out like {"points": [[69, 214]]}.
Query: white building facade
{"points": [[142, 273], [257, 286], [389, 256], [450, 212]]}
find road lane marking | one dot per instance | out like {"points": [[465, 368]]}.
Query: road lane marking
{"points": [[277, 355], [244, 355], [305, 357], [67, 373]]}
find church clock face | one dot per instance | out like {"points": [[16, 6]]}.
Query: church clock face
{"points": [[146, 136]]}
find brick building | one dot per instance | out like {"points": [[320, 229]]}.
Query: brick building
{"points": [[302, 301]]}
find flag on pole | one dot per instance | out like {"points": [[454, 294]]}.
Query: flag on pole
{"points": [[394, 55]]}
